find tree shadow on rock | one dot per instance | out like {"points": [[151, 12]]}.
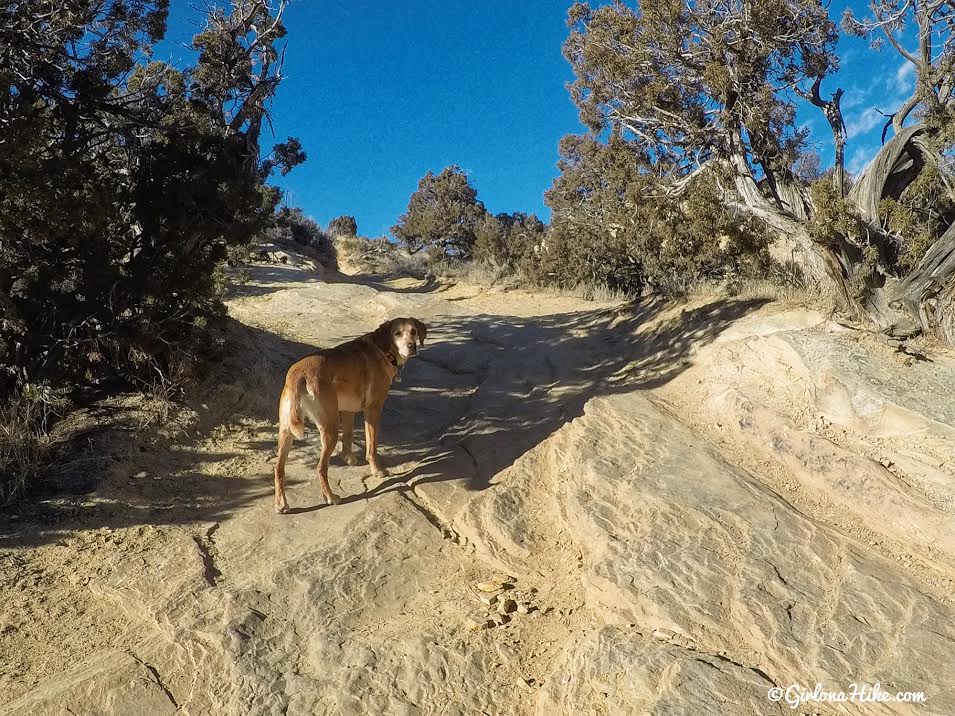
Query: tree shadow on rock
{"points": [[120, 463], [489, 388], [266, 278]]}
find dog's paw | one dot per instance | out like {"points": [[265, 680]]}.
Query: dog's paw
{"points": [[333, 499], [351, 459], [381, 473], [281, 508]]}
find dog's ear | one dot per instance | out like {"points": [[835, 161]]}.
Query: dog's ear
{"points": [[422, 330], [382, 335]]}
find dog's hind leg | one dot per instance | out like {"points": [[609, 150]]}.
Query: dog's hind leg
{"points": [[348, 429], [329, 439], [285, 444]]}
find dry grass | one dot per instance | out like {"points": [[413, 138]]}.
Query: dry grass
{"points": [[29, 414], [24, 441], [477, 272], [382, 257], [764, 288], [485, 274], [379, 256]]}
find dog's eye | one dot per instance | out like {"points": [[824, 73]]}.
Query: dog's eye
{"points": [[414, 332]]}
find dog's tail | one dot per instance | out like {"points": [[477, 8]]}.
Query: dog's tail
{"points": [[291, 408]]}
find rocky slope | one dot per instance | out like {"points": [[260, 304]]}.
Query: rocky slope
{"points": [[593, 508]]}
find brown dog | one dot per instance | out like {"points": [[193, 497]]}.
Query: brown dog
{"points": [[349, 378]]}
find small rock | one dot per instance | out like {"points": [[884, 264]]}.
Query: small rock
{"points": [[496, 584], [477, 623], [488, 600], [507, 654], [140, 475], [886, 463], [526, 683], [506, 606], [499, 619], [523, 608]]}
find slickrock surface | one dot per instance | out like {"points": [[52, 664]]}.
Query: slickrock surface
{"points": [[592, 509]]}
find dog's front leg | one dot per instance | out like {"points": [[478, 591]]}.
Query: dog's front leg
{"points": [[372, 418]]}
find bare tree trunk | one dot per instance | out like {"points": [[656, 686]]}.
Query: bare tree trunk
{"points": [[839, 176], [923, 300], [857, 278], [832, 109], [820, 268]]}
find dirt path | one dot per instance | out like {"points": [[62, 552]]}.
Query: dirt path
{"points": [[689, 505]]}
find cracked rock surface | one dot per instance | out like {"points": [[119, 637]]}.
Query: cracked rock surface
{"points": [[592, 509]]}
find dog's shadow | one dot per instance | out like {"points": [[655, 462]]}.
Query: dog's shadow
{"points": [[394, 482]]}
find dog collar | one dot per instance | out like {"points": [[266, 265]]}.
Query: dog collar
{"points": [[390, 359], [393, 360]]}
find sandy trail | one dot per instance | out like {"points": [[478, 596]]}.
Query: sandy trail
{"points": [[694, 504]]}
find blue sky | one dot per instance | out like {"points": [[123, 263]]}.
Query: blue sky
{"points": [[872, 80], [381, 92]]}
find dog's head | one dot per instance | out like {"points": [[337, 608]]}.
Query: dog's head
{"points": [[405, 335]]}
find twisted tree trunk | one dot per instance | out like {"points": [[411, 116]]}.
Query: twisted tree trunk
{"points": [[922, 301], [896, 166], [927, 293], [821, 270], [863, 287]]}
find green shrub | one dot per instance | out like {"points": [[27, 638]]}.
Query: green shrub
{"points": [[918, 217], [614, 226], [503, 240], [125, 182], [834, 217], [442, 215], [293, 225], [343, 226]]}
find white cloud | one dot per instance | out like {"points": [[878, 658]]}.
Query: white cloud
{"points": [[862, 123], [905, 79], [859, 158], [854, 98], [884, 93]]}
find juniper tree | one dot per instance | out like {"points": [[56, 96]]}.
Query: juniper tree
{"points": [[707, 87], [125, 179], [442, 215]]}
